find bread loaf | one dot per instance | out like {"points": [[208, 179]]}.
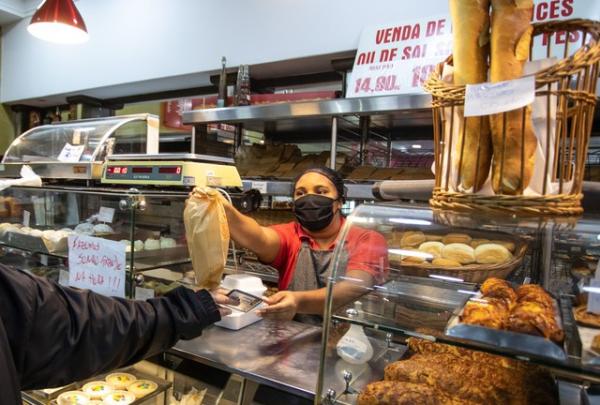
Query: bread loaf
{"points": [[513, 138], [464, 254], [471, 22]]}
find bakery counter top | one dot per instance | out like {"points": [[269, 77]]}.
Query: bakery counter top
{"points": [[283, 355]]}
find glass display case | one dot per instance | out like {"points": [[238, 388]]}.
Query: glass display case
{"points": [[36, 224], [77, 149], [432, 306]]}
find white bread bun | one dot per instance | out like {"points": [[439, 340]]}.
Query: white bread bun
{"points": [[464, 254], [456, 238], [434, 248], [492, 253]]}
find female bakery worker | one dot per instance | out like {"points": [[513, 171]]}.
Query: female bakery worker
{"points": [[302, 250]]}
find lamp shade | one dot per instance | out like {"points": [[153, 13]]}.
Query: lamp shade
{"points": [[58, 21]]}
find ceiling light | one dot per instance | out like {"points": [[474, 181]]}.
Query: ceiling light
{"points": [[416, 146], [58, 21]]}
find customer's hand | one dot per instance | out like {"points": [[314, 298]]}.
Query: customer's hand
{"points": [[221, 298], [282, 305]]}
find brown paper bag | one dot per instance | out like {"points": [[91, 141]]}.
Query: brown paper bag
{"points": [[207, 235]]}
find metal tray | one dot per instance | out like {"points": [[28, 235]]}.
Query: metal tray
{"points": [[36, 397], [518, 343]]}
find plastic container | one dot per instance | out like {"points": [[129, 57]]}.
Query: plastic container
{"points": [[250, 284]]}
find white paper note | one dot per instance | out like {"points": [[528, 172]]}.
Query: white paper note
{"points": [[70, 153], [97, 264], [494, 98]]}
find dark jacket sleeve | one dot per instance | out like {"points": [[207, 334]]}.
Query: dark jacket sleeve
{"points": [[58, 335]]}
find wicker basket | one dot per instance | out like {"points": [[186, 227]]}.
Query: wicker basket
{"points": [[569, 88], [473, 273]]}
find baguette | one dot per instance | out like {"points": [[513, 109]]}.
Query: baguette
{"points": [[514, 144], [471, 22]]}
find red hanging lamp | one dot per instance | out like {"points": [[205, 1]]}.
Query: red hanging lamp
{"points": [[58, 21]]}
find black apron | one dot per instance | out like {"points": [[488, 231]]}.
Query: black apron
{"points": [[312, 270]]}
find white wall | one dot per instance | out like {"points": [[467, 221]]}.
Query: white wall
{"points": [[141, 40], [140, 46]]}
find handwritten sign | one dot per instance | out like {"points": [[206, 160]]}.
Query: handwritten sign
{"points": [[70, 153], [97, 264], [397, 58], [494, 98], [106, 214]]}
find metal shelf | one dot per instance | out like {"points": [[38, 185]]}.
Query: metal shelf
{"points": [[309, 109]]}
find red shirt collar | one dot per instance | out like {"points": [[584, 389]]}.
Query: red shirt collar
{"points": [[313, 244]]}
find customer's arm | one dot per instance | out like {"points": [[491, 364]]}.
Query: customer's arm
{"points": [[58, 335]]}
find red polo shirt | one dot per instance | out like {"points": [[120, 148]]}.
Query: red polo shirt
{"points": [[367, 250]]}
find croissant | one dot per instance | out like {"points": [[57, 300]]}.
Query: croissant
{"points": [[535, 293], [491, 313], [535, 319], [497, 288]]}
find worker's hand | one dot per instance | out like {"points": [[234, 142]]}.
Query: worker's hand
{"points": [[221, 298], [282, 305]]}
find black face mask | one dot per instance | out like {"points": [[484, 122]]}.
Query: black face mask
{"points": [[314, 212]]}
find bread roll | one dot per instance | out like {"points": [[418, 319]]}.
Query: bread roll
{"points": [[433, 248], [445, 262], [456, 238], [433, 238], [464, 254], [507, 244], [470, 23], [412, 239], [511, 37], [491, 253], [476, 242]]}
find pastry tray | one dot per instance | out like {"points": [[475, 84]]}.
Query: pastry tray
{"points": [[39, 397], [517, 343]]}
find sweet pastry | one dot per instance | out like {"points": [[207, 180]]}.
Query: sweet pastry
{"points": [[97, 389], [412, 239], [596, 344], [469, 383], [36, 233], [138, 245], [535, 293], [434, 248], [85, 229], [498, 288], [120, 380], [513, 138], [402, 393], [471, 22], [585, 318], [456, 238], [73, 398], [141, 388], [102, 229], [491, 313], [151, 244], [119, 398], [166, 243], [535, 319], [491, 253], [442, 262], [464, 254]]}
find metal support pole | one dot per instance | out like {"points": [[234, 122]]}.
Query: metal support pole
{"points": [[238, 138], [364, 123], [333, 142], [389, 150]]}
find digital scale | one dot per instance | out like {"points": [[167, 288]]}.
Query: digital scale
{"points": [[183, 170]]}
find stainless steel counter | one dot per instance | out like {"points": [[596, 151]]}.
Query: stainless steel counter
{"points": [[282, 355]]}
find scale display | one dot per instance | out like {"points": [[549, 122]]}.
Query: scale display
{"points": [[152, 173]]}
